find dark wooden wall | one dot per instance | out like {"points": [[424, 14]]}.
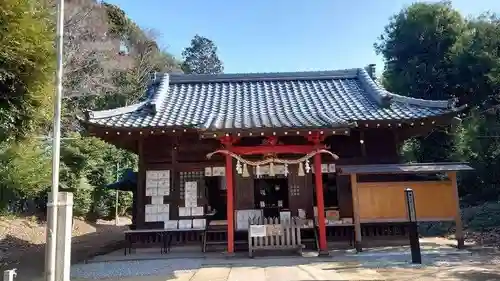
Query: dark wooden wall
{"points": [[188, 154]]}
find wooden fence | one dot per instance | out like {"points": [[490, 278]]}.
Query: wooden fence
{"points": [[271, 234]]}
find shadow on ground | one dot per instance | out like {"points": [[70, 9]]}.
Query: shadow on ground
{"points": [[29, 259]]}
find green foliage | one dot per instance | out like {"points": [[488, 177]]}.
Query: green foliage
{"points": [[201, 57], [433, 52], [118, 20], [476, 61], [416, 45], [27, 60], [82, 198], [23, 169], [89, 164], [482, 217]]}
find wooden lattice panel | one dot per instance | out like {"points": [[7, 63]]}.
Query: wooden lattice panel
{"points": [[197, 176]]}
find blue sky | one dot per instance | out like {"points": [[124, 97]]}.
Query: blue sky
{"points": [[279, 35]]}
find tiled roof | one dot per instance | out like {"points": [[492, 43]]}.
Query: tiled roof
{"points": [[270, 100]]}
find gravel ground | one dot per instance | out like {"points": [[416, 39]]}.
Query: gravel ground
{"points": [[462, 265], [134, 268]]}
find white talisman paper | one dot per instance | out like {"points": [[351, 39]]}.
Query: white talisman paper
{"points": [[185, 224], [164, 174], [151, 209], [164, 208], [331, 168], [191, 194], [171, 224], [199, 223], [163, 183], [151, 179], [257, 231], [156, 200], [197, 211], [218, 171], [208, 171], [151, 218], [184, 212], [285, 217]]}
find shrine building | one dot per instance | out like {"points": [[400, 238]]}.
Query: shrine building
{"points": [[217, 150]]}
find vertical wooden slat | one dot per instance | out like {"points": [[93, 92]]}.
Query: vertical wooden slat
{"points": [[355, 205], [141, 186], [244, 191], [459, 235], [174, 174]]}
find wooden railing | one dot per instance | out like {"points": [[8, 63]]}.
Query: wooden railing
{"points": [[271, 234]]}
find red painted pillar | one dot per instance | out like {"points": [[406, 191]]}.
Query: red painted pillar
{"points": [[320, 203], [230, 201]]}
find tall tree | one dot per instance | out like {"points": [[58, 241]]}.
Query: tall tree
{"points": [[26, 67], [201, 57], [431, 51], [476, 58], [417, 46]]}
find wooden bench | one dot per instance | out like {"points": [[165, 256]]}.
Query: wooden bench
{"points": [[132, 236], [271, 234], [169, 232], [163, 235]]}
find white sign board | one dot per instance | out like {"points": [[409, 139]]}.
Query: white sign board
{"points": [[242, 217], [257, 231]]}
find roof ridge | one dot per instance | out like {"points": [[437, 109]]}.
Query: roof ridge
{"points": [[160, 94], [113, 112], [382, 96], [263, 76]]}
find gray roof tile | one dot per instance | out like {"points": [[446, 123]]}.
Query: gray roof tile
{"points": [[270, 100]]}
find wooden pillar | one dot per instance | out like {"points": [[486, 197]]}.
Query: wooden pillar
{"points": [[175, 179], [355, 211], [320, 203], [141, 187], [459, 234], [230, 202]]}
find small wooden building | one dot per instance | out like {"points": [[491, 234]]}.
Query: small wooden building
{"points": [[319, 145]]}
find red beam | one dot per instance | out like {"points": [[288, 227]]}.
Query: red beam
{"points": [[278, 149]]}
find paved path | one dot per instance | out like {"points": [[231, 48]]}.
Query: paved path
{"points": [[464, 266]]}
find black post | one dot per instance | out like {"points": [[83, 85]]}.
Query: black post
{"points": [[416, 256]]}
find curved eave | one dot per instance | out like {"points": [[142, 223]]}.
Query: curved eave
{"points": [[383, 97], [101, 130]]}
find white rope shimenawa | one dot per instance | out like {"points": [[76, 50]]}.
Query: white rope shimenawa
{"points": [[271, 161]]}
